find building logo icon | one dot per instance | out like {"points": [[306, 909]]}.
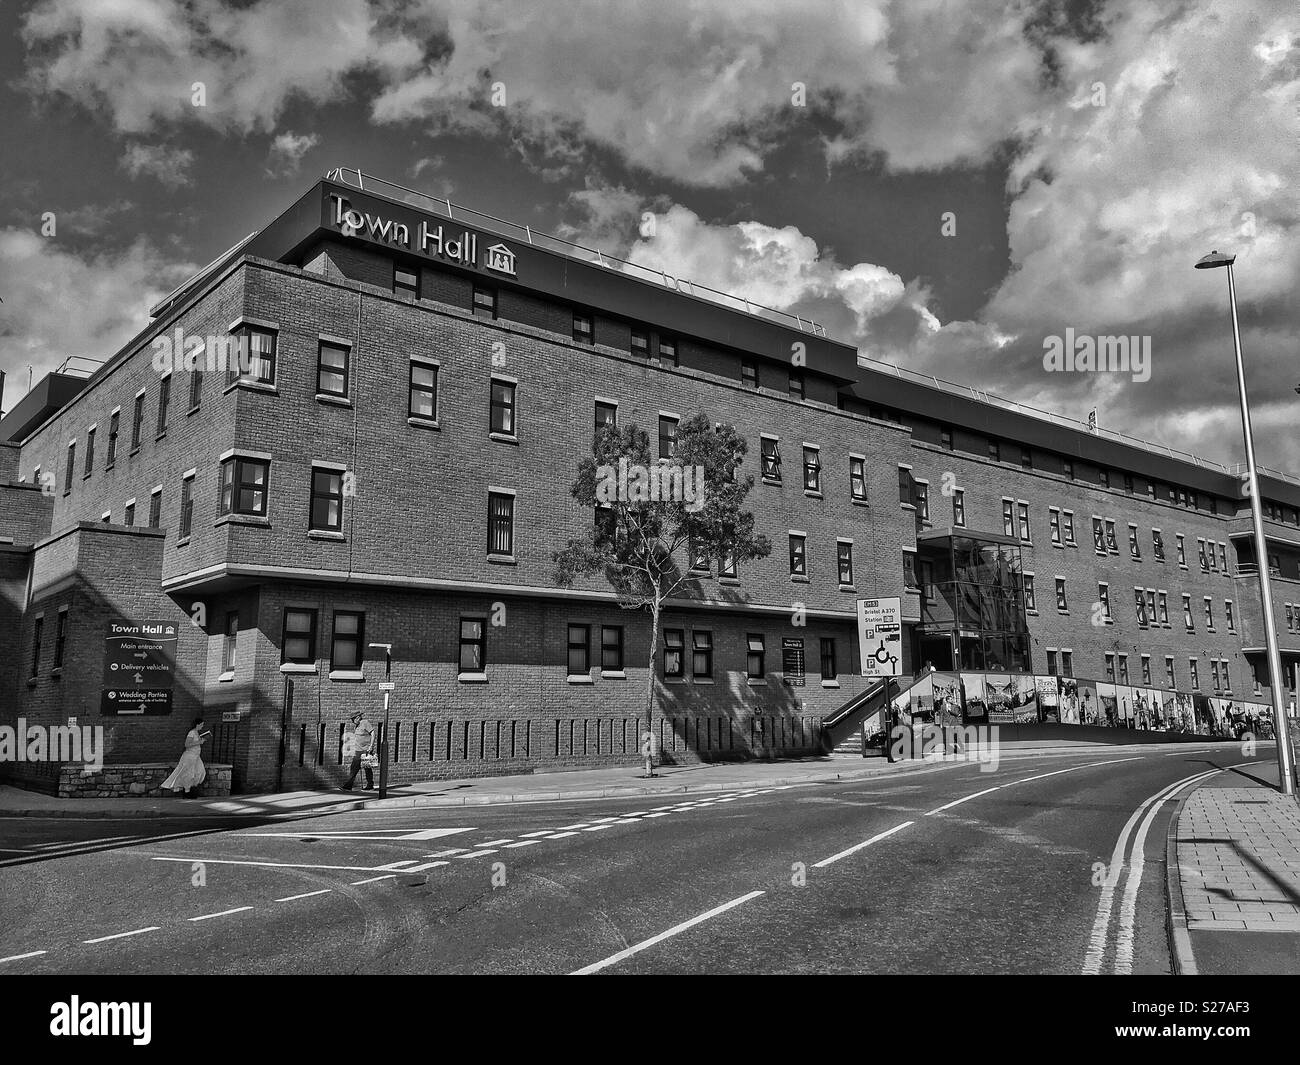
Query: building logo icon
{"points": [[500, 258]]}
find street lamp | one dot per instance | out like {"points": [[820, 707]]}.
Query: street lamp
{"points": [[387, 688], [1284, 758]]}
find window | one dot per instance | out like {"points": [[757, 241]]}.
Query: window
{"points": [[1194, 672], [1164, 609], [1067, 663], [1103, 477], [770, 458], [1227, 615], [501, 524], [1051, 661], [1026, 459], [164, 402], [922, 500], [1061, 604], [1227, 680], [255, 348], [484, 302], [503, 407], [699, 556], [196, 388], [128, 514], [326, 499], [349, 634], [1067, 468], [1182, 554], [1030, 605], [90, 448], [844, 557], [473, 645], [230, 642], [959, 507], [1214, 674], [1214, 565], [1274, 565], [1151, 606], [611, 648], [858, 477], [674, 644], [243, 486], [1098, 536], [829, 671], [701, 654], [755, 656], [1146, 669], [60, 638], [155, 508], [1200, 551], [1223, 558], [995, 450], [1068, 516], [1022, 515], [1128, 483], [1054, 523], [37, 629], [298, 640], [667, 351], [749, 373], [727, 563], [1170, 680], [667, 436], [1157, 545], [423, 402], [1209, 613], [112, 440], [641, 343], [582, 329], [1133, 549], [1110, 667], [332, 369], [906, 487], [1111, 544], [1123, 669], [406, 282], [945, 437], [909, 570], [137, 421], [71, 467], [1187, 614], [1103, 598], [797, 387], [1009, 517], [812, 469], [187, 507], [1140, 603], [606, 415], [579, 661], [798, 555]]}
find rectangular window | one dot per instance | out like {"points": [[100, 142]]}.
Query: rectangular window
{"points": [[797, 387], [137, 421], [1103, 477], [1054, 523], [187, 507], [1067, 468], [196, 388], [667, 436], [1022, 521], [1061, 604], [255, 348], [155, 508], [1227, 615], [1164, 608], [1123, 669], [298, 640], [1227, 680], [922, 500], [995, 450], [332, 369], [1157, 545], [1067, 663], [1194, 672], [829, 669], [611, 648], [423, 401], [1223, 558], [349, 640], [38, 629], [606, 415], [1026, 459], [1214, 563], [1140, 604], [71, 467], [1151, 606], [128, 514], [667, 351], [844, 556], [90, 448], [749, 373], [1051, 661], [1068, 516], [857, 477], [641, 343], [582, 329], [501, 524], [1170, 679], [1128, 483], [906, 487], [698, 555], [405, 281], [945, 438], [1146, 669], [812, 469], [674, 647], [579, 660], [230, 642], [701, 654], [1187, 614], [909, 570], [755, 656], [1009, 517], [1030, 604], [1209, 613], [1182, 554], [727, 563], [959, 507], [243, 486], [1110, 667], [164, 403], [1133, 549], [1200, 551], [112, 441], [1112, 545], [326, 499], [485, 302], [798, 556], [1214, 674], [1103, 597], [503, 407], [60, 638], [770, 454], [472, 657]]}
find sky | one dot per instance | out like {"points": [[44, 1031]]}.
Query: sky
{"points": [[948, 186]]}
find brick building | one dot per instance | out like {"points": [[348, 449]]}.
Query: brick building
{"points": [[394, 467]]}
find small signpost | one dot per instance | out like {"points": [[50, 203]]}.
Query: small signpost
{"points": [[880, 650]]}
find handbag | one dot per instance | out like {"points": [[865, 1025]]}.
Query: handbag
{"points": [[369, 760]]}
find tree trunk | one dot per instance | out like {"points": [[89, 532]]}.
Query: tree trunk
{"points": [[650, 682]]}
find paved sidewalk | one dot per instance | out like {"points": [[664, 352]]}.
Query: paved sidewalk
{"points": [[1238, 863]]}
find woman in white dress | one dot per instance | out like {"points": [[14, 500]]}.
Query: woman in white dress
{"points": [[189, 772]]}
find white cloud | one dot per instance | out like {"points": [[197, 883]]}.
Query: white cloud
{"points": [[287, 151], [169, 166]]}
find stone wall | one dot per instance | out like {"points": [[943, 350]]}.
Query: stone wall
{"points": [[143, 779]]}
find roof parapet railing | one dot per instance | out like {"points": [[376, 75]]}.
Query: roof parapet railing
{"points": [[344, 176]]}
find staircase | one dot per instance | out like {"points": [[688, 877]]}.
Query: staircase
{"points": [[842, 730]]}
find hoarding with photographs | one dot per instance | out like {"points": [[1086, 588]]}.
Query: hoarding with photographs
{"points": [[1068, 700], [1089, 705], [921, 697], [1012, 698], [1048, 699], [1184, 719], [1107, 711], [1123, 706], [977, 711], [947, 698], [1146, 702]]}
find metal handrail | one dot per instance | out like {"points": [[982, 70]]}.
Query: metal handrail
{"points": [[581, 252]]}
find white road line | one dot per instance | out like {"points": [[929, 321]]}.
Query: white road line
{"points": [[523, 843], [426, 865], [561, 835], [93, 845], [398, 865], [664, 814], [533, 835], [62, 843], [597, 828], [223, 913], [20, 957], [1022, 780], [602, 820], [373, 879], [272, 865], [476, 854], [446, 853], [496, 842], [614, 959], [123, 935], [583, 824], [858, 846], [305, 895]]}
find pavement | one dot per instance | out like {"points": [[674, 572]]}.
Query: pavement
{"points": [[1234, 877]]}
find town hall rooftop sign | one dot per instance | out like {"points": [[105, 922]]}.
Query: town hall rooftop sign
{"points": [[435, 241]]}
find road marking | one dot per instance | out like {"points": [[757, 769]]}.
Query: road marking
{"points": [[1022, 780], [584, 824], [476, 854], [275, 865], [445, 854], [426, 865], [858, 846], [532, 835], [597, 828], [123, 935], [614, 959], [20, 957], [561, 835], [62, 843], [496, 842], [374, 879], [664, 814], [305, 895], [398, 865], [602, 820], [344, 837], [223, 913], [90, 846], [523, 843]]}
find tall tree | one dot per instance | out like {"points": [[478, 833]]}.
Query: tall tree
{"points": [[654, 517]]}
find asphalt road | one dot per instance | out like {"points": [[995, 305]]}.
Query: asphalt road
{"points": [[922, 872]]}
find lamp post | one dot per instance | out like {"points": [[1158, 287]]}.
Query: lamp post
{"points": [[1285, 763], [387, 688]]}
